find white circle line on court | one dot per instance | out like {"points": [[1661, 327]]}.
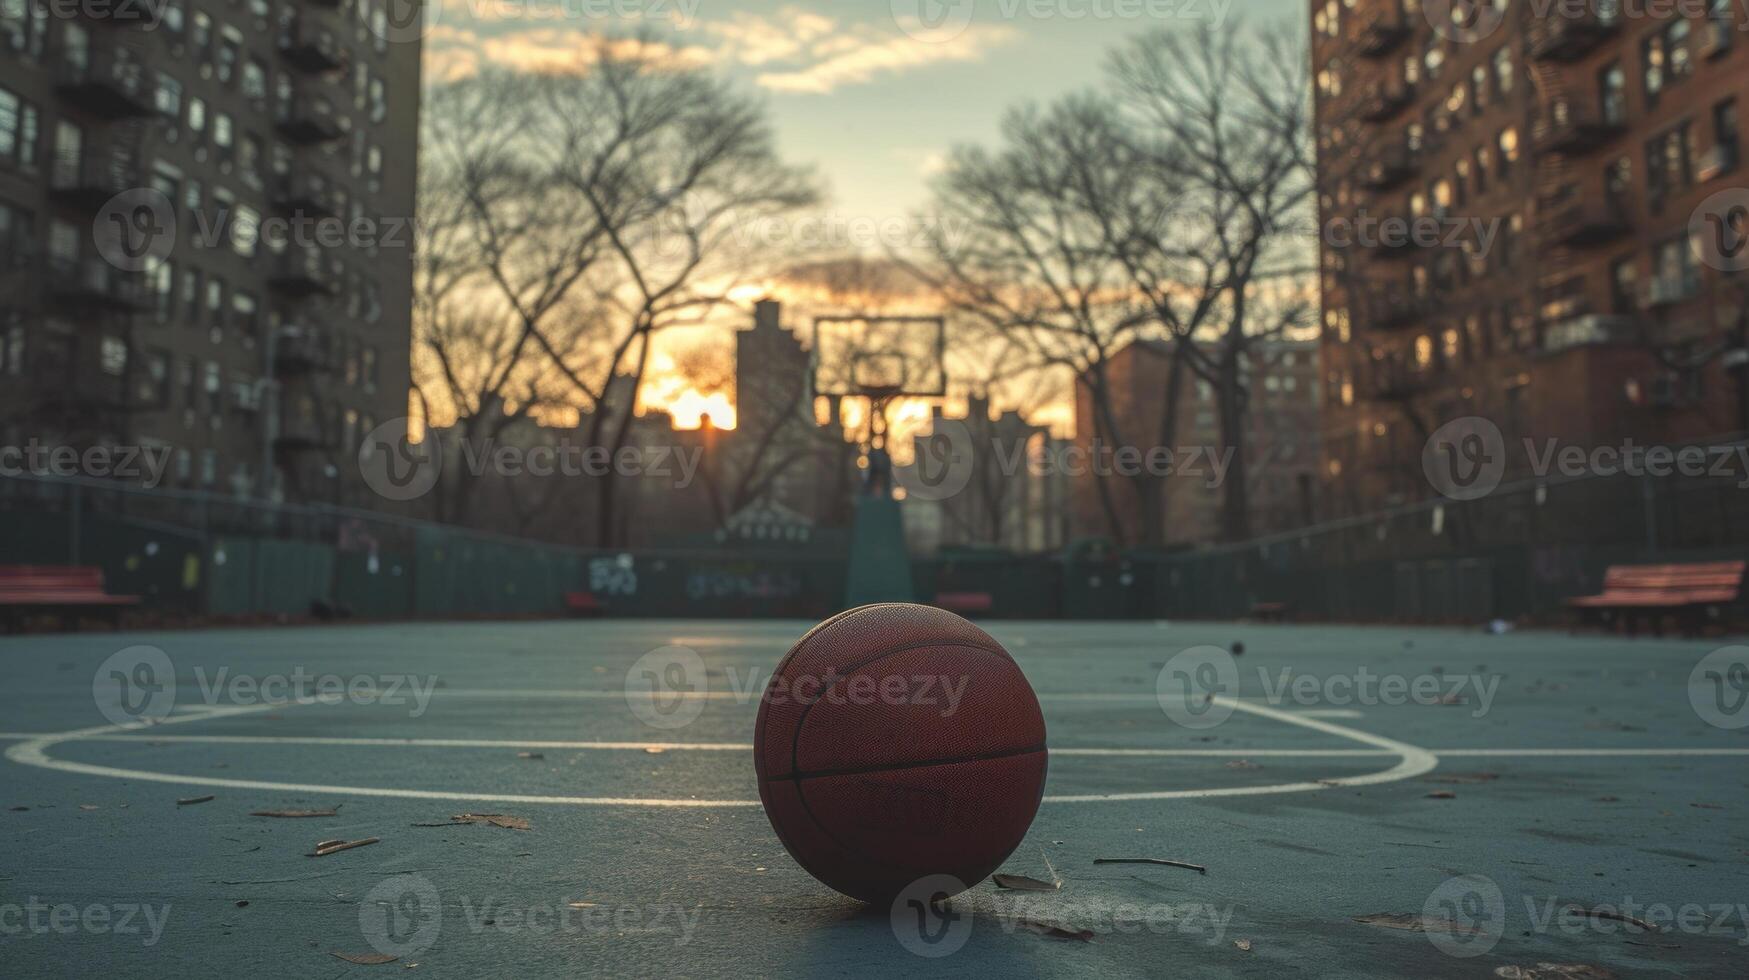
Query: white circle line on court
{"points": [[1413, 761], [148, 736]]}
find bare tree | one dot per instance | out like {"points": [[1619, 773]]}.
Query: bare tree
{"points": [[1030, 268], [598, 207], [1223, 117], [1167, 208]]}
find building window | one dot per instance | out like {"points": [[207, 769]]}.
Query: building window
{"points": [[215, 301], [1669, 164], [1508, 151], [1612, 86], [1666, 58], [1675, 269], [1624, 286], [1505, 72], [1727, 137], [18, 131], [1618, 178], [112, 356]]}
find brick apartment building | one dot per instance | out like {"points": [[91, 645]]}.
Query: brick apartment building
{"points": [[1282, 378], [1569, 148], [277, 140]]}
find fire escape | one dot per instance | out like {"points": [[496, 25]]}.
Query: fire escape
{"points": [[305, 420], [83, 374]]}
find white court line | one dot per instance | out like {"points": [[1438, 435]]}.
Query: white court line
{"points": [[150, 735], [1412, 762]]}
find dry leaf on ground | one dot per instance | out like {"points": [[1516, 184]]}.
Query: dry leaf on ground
{"points": [[1025, 884], [328, 847], [1057, 932], [364, 959]]}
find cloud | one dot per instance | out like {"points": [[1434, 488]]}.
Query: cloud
{"points": [[793, 50], [453, 52], [808, 52]]}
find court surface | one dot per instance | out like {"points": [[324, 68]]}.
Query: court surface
{"points": [[1463, 806]]}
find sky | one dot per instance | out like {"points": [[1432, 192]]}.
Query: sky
{"points": [[873, 94]]}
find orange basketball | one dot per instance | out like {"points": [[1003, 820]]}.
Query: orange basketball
{"points": [[896, 742]]}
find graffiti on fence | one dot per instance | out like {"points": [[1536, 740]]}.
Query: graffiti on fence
{"points": [[617, 576], [742, 582]]}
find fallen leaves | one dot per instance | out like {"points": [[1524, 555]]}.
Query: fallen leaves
{"points": [[364, 959], [192, 800], [294, 814], [1057, 932], [1613, 916], [493, 819], [1443, 794], [1025, 884], [1199, 869], [1554, 971], [1244, 944], [530, 755], [328, 847], [1406, 921]]}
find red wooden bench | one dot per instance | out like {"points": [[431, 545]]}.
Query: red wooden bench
{"points": [[1690, 592], [583, 604], [965, 602], [38, 588]]}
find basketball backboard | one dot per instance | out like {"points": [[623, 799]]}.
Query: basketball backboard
{"points": [[880, 357]]}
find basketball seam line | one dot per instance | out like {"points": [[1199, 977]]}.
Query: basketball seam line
{"points": [[795, 745], [922, 764]]}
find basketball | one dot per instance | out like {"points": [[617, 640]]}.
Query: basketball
{"points": [[896, 742]]}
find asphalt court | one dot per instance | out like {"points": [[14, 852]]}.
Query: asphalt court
{"points": [[1477, 785]]}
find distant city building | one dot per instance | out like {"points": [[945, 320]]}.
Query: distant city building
{"points": [[1016, 496], [1565, 281], [1281, 426], [206, 234]]}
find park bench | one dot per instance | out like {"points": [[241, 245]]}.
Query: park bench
{"points": [[40, 588], [584, 604], [965, 603], [1689, 592]]}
